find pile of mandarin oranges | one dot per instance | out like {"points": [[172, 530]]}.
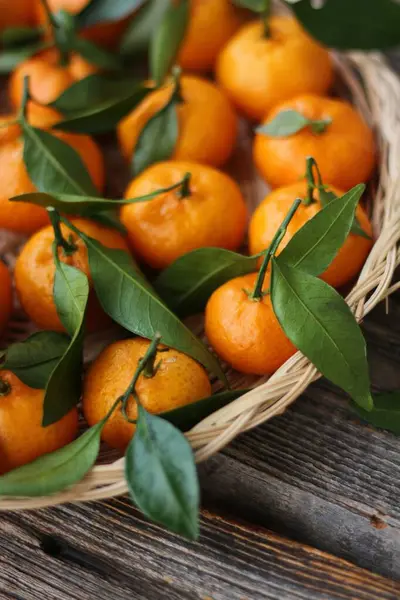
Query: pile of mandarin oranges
{"points": [[240, 74]]}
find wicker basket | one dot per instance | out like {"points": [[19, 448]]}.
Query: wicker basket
{"points": [[375, 90]]}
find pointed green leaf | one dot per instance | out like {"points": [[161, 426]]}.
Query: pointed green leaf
{"points": [[158, 138], [129, 300], [161, 475], [167, 38], [34, 359], [20, 36], [54, 472], [359, 24], [385, 414], [53, 165], [326, 196], [287, 122], [104, 11], [137, 36], [71, 292], [103, 117], [321, 325], [188, 416], [315, 245], [188, 283], [86, 205], [93, 90]]}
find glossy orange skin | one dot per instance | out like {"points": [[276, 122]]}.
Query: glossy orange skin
{"points": [[258, 72], [104, 34], [273, 209], [5, 296], [206, 120], [22, 437], [212, 23], [34, 273], [16, 13], [27, 218], [243, 332], [47, 78], [179, 381], [165, 228], [345, 151]]}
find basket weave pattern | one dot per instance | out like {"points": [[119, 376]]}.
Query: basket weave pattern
{"points": [[375, 90]]}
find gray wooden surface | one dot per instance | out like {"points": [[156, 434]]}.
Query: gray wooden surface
{"points": [[304, 507]]}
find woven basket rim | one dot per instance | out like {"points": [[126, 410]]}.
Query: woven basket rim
{"points": [[375, 90]]}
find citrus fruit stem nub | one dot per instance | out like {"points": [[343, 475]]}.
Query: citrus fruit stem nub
{"points": [[5, 388], [184, 190], [257, 293], [67, 246]]}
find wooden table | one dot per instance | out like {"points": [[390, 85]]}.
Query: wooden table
{"points": [[304, 507]]}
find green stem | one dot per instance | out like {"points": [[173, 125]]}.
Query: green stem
{"points": [[57, 33], [311, 163], [5, 388], [176, 78], [319, 125], [146, 365], [24, 100], [265, 19], [257, 293], [184, 190], [60, 242]]}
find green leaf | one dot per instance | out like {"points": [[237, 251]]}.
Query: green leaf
{"points": [[327, 196], [285, 123], [96, 55], [158, 138], [54, 472], [321, 325], [258, 6], [359, 24], [11, 58], [105, 11], [385, 414], [161, 475], [187, 284], [188, 416], [129, 300], [315, 245], [34, 359], [53, 165], [137, 35], [20, 36], [167, 38], [104, 116], [93, 90], [71, 292], [86, 205]]}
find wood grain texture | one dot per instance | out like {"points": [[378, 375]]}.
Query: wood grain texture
{"points": [[107, 550], [320, 475]]}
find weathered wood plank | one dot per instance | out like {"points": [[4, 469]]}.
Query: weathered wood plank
{"points": [[319, 475], [108, 550]]}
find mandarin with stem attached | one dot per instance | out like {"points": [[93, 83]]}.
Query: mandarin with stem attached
{"points": [[35, 270], [22, 437], [269, 214], [213, 20], [244, 331], [5, 296], [22, 217], [259, 68], [176, 381], [48, 78], [207, 210], [343, 147], [207, 123]]}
